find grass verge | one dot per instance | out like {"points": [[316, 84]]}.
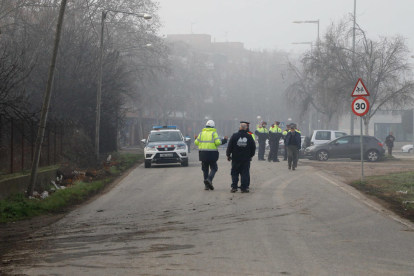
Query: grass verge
{"points": [[18, 207], [397, 189]]}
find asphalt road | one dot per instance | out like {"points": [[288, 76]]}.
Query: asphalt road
{"points": [[160, 221]]}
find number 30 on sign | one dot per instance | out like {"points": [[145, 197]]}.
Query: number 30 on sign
{"points": [[360, 106]]}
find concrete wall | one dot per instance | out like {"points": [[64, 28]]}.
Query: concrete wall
{"points": [[20, 183]]}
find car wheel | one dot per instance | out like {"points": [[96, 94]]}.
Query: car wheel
{"points": [[372, 156], [148, 164], [322, 155], [410, 151], [185, 163]]}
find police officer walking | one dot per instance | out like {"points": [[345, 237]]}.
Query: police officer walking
{"points": [[275, 133], [293, 144], [207, 142], [263, 134], [240, 150]]}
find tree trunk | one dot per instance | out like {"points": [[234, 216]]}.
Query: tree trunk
{"points": [[140, 128], [326, 121]]}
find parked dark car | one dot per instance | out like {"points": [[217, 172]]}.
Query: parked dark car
{"points": [[347, 147]]}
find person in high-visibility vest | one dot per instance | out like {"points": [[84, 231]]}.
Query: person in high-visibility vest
{"points": [[275, 133], [284, 133], [207, 142], [263, 133]]}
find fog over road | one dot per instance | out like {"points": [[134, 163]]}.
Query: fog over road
{"points": [[160, 221]]}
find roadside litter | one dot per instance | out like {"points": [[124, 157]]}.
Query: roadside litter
{"points": [[44, 195], [402, 192]]}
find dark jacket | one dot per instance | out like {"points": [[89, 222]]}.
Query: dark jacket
{"points": [[297, 140], [241, 146], [389, 141]]}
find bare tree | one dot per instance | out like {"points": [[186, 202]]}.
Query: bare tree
{"points": [[329, 74]]}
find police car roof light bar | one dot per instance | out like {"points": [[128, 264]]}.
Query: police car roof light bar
{"points": [[165, 127]]}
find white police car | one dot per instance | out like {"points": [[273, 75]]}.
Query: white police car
{"points": [[165, 144]]}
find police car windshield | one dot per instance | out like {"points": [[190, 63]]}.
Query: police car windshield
{"points": [[165, 136]]}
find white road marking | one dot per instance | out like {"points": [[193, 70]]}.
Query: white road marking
{"points": [[367, 203]]}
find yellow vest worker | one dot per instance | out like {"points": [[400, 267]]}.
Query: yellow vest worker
{"points": [[207, 142], [263, 134], [275, 133]]}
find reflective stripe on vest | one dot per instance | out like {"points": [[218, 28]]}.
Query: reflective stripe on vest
{"points": [[275, 129], [263, 130]]}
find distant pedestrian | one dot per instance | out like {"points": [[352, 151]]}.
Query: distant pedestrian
{"points": [[240, 150], [275, 133], [284, 133], [263, 133], [188, 138], [293, 145], [389, 142], [207, 142]]}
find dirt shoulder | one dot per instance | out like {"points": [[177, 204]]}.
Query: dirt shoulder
{"points": [[385, 181], [348, 170]]}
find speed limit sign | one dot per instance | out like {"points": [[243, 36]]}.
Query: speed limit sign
{"points": [[360, 106]]}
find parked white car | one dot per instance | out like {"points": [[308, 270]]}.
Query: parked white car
{"points": [[407, 148], [324, 136]]}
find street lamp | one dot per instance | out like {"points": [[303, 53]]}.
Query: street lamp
{"points": [[312, 22], [98, 100], [126, 50], [149, 45], [309, 43]]}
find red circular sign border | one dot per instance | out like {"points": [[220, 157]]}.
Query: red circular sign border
{"points": [[366, 110]]}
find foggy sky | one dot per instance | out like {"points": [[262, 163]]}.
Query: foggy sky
{"points": [[268, 23]]}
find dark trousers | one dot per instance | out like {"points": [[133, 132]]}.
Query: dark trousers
{"points": [[262, 146], [274, 147], [242, 169], [205, 166], [293, 155], [389, 150]]}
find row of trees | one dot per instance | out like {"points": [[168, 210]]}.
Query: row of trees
{"points": [[26, 39], [326, 77]]}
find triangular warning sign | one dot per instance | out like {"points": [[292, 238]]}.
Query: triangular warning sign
{"points": [[360, 89]]}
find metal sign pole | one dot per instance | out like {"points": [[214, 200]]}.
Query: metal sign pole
{"points": [[362, 153]]}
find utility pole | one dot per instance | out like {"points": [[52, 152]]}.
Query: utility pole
{"points": [[353, 65], [46, 102], [99, 92]]}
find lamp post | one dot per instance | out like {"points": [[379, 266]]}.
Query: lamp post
{"points": [[311, 44], [312, 22], [317, 45], [353, 66], [99, 94]]}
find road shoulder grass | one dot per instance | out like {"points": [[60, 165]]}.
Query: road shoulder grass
{"points": [[396, 189], [18, 207]]}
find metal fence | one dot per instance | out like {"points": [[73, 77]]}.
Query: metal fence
{"points": [[18, 141]]}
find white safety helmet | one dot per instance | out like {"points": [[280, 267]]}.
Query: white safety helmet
{"points": [[210, 123]]}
